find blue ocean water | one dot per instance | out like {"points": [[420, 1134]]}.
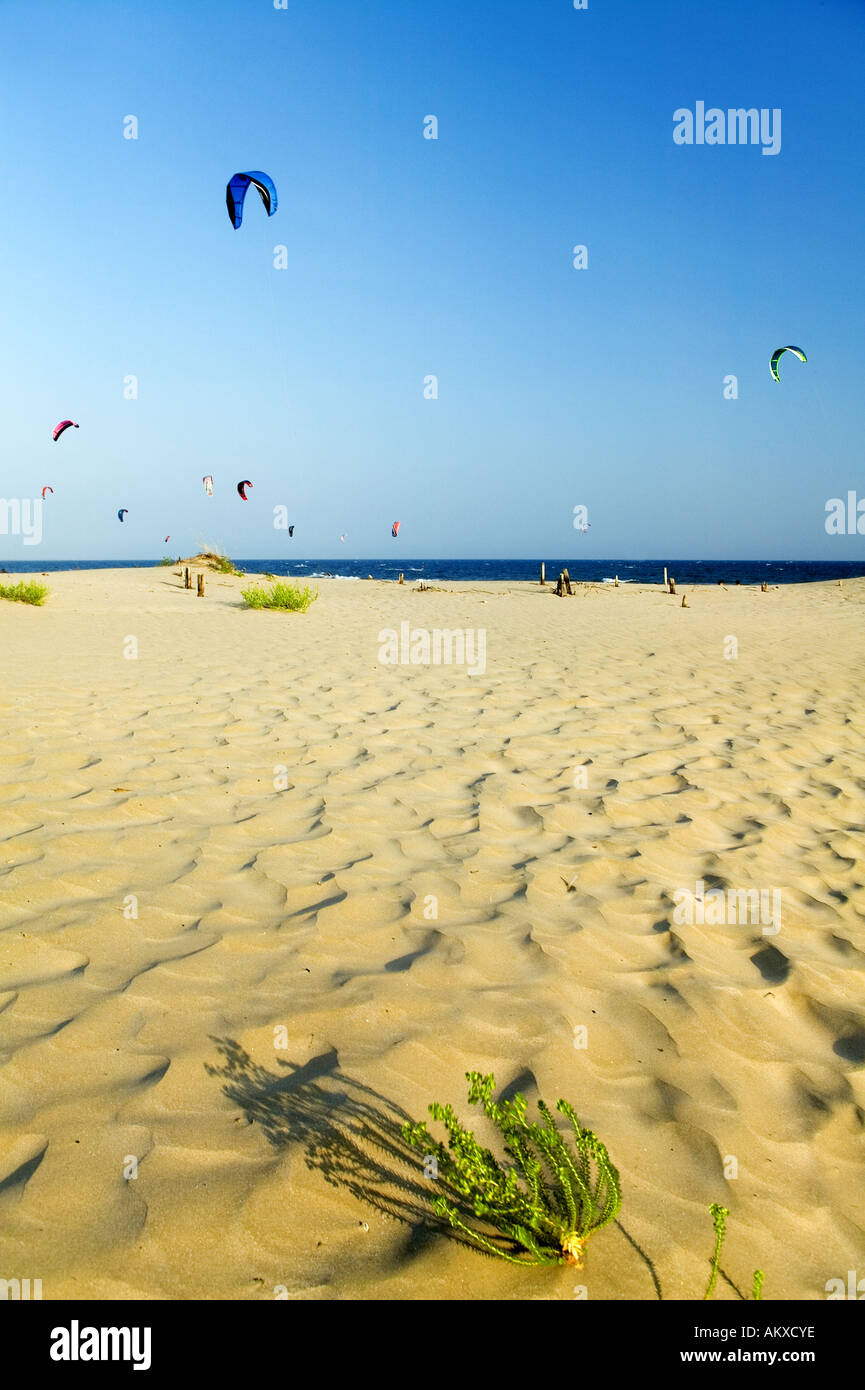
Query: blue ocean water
{"points": [[515, 571]]}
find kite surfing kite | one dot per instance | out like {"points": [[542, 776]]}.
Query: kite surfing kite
{"points": [[342, 538], [240, 486], [47, 489], [167, 538], [208, 484], [778, 353], [64, 425], [291, 530], [235, 194], [394, 530], [122, 513]]}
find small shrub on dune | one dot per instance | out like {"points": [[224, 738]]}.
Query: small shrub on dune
{"points": [[25, 593], [544, 1208], [290, 597]]}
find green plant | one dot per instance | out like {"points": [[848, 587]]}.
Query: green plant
{"points": [[719, 1221], [167, 560], [223, 565], [548, 1203], [25, 593], [287, 596]]}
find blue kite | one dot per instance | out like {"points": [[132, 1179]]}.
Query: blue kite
{"points": [[236, 192]]}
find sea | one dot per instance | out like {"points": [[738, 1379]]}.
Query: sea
{"points": [[514, 571]]}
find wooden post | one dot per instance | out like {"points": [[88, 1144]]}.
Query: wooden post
{"points": [[684, 600], [187, 584], [560, 586], [400, 580], [201, 586], [617, 581], [665, 576], [763, 589], [567, 582], [543, 573], [672, 586]]}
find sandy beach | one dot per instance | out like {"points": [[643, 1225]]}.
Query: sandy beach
{"points": [[264, 895]]}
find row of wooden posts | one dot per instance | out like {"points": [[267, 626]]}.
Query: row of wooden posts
{"points": [[563, 584], [187, 581]]}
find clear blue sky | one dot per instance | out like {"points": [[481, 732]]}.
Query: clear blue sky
{"points": [[408, 257]]}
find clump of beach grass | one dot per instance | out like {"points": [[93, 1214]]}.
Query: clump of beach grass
{"points": [[290, 597], [547, 1205], [223, 565], [25, 592]]}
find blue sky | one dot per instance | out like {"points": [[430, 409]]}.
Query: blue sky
{"points": [[409, 257]]}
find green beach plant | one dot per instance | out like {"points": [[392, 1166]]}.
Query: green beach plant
{"points": [[25, 592], [291, 597], [719, 1216], [549, 1203], [223, 565]]}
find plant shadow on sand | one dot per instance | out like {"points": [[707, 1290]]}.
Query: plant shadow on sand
{"points": [[353, 1136]]}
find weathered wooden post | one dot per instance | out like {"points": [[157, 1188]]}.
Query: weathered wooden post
{"points": [[763, 588], [187, 582], [616, 582], [400, 580], [672, 586], [567, 582], [560, 584], [665, 576], [684, 600], [201, 586], [543, 573]]}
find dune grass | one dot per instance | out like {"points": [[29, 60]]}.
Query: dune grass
{"points": [[290, 597], [223, 565], [25, 593]]}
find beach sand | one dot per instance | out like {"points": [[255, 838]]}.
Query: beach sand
{"points": [[253, 848]]}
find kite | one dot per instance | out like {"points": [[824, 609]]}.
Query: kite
{"points": [[122, 513], [208, 484], [776, 357], [167, 538], [342, 538], [394, 530], [235, 194], [291, 530], [64, 425], [240, 486], [47, 489]]}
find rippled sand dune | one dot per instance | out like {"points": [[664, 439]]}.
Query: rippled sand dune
{"points": [[262, 897]]}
